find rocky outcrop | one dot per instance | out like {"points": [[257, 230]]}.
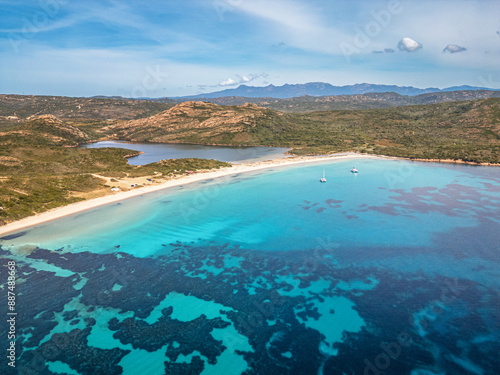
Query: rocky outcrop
{"points": [[190, 122]]}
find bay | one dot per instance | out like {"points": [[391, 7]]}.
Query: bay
{"points": [[393, 269]]}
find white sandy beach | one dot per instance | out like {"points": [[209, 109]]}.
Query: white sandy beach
{"points": [[118, 196]]}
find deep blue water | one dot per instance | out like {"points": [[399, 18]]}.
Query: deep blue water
{"points": [[153, 152], [394, 270]]}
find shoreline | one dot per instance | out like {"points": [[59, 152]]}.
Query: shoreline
{"points": [[73, 208], [453, 161], [87, 204]]}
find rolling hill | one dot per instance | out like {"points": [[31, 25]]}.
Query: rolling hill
{"points": [[31, 106], [353, 102], [196, 122], [15, 108], [468, 130]]}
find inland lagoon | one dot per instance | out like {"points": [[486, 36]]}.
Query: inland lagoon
{"points": [[393, 270], [153, 152]]}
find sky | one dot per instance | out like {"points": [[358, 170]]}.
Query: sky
{"points": [[171, 48]]}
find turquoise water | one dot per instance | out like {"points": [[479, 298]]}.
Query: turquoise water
{"points": [[394, 269]]}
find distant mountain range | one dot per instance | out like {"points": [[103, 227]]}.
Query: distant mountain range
{"points": [[322, 89], [19, 107], [308, 103]]}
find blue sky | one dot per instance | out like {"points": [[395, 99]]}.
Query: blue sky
{"points": [[181, 47]]}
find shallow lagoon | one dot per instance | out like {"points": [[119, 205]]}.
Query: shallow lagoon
{"points": [[153, 152], [272, 272]]}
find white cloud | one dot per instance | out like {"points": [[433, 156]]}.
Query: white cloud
{"points": [[454, 48], [242, 79], [228, 82], [409, 45], [232, 82]]}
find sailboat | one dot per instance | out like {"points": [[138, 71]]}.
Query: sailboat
{"points": [[354, 170], [323, 179]]}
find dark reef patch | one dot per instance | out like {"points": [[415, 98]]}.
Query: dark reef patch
{"points": [[195, 367], [454, 200], [193, 335], [268, 298], [72, 348]]}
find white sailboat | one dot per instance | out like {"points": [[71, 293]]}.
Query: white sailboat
{"points": [[323, 179], [354, 170]]}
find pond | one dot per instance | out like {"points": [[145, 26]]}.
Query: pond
{"points": [[153, 152]]}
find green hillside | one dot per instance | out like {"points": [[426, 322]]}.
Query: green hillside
{"points": [[25, 106], [41, 169], [456, 130]]}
